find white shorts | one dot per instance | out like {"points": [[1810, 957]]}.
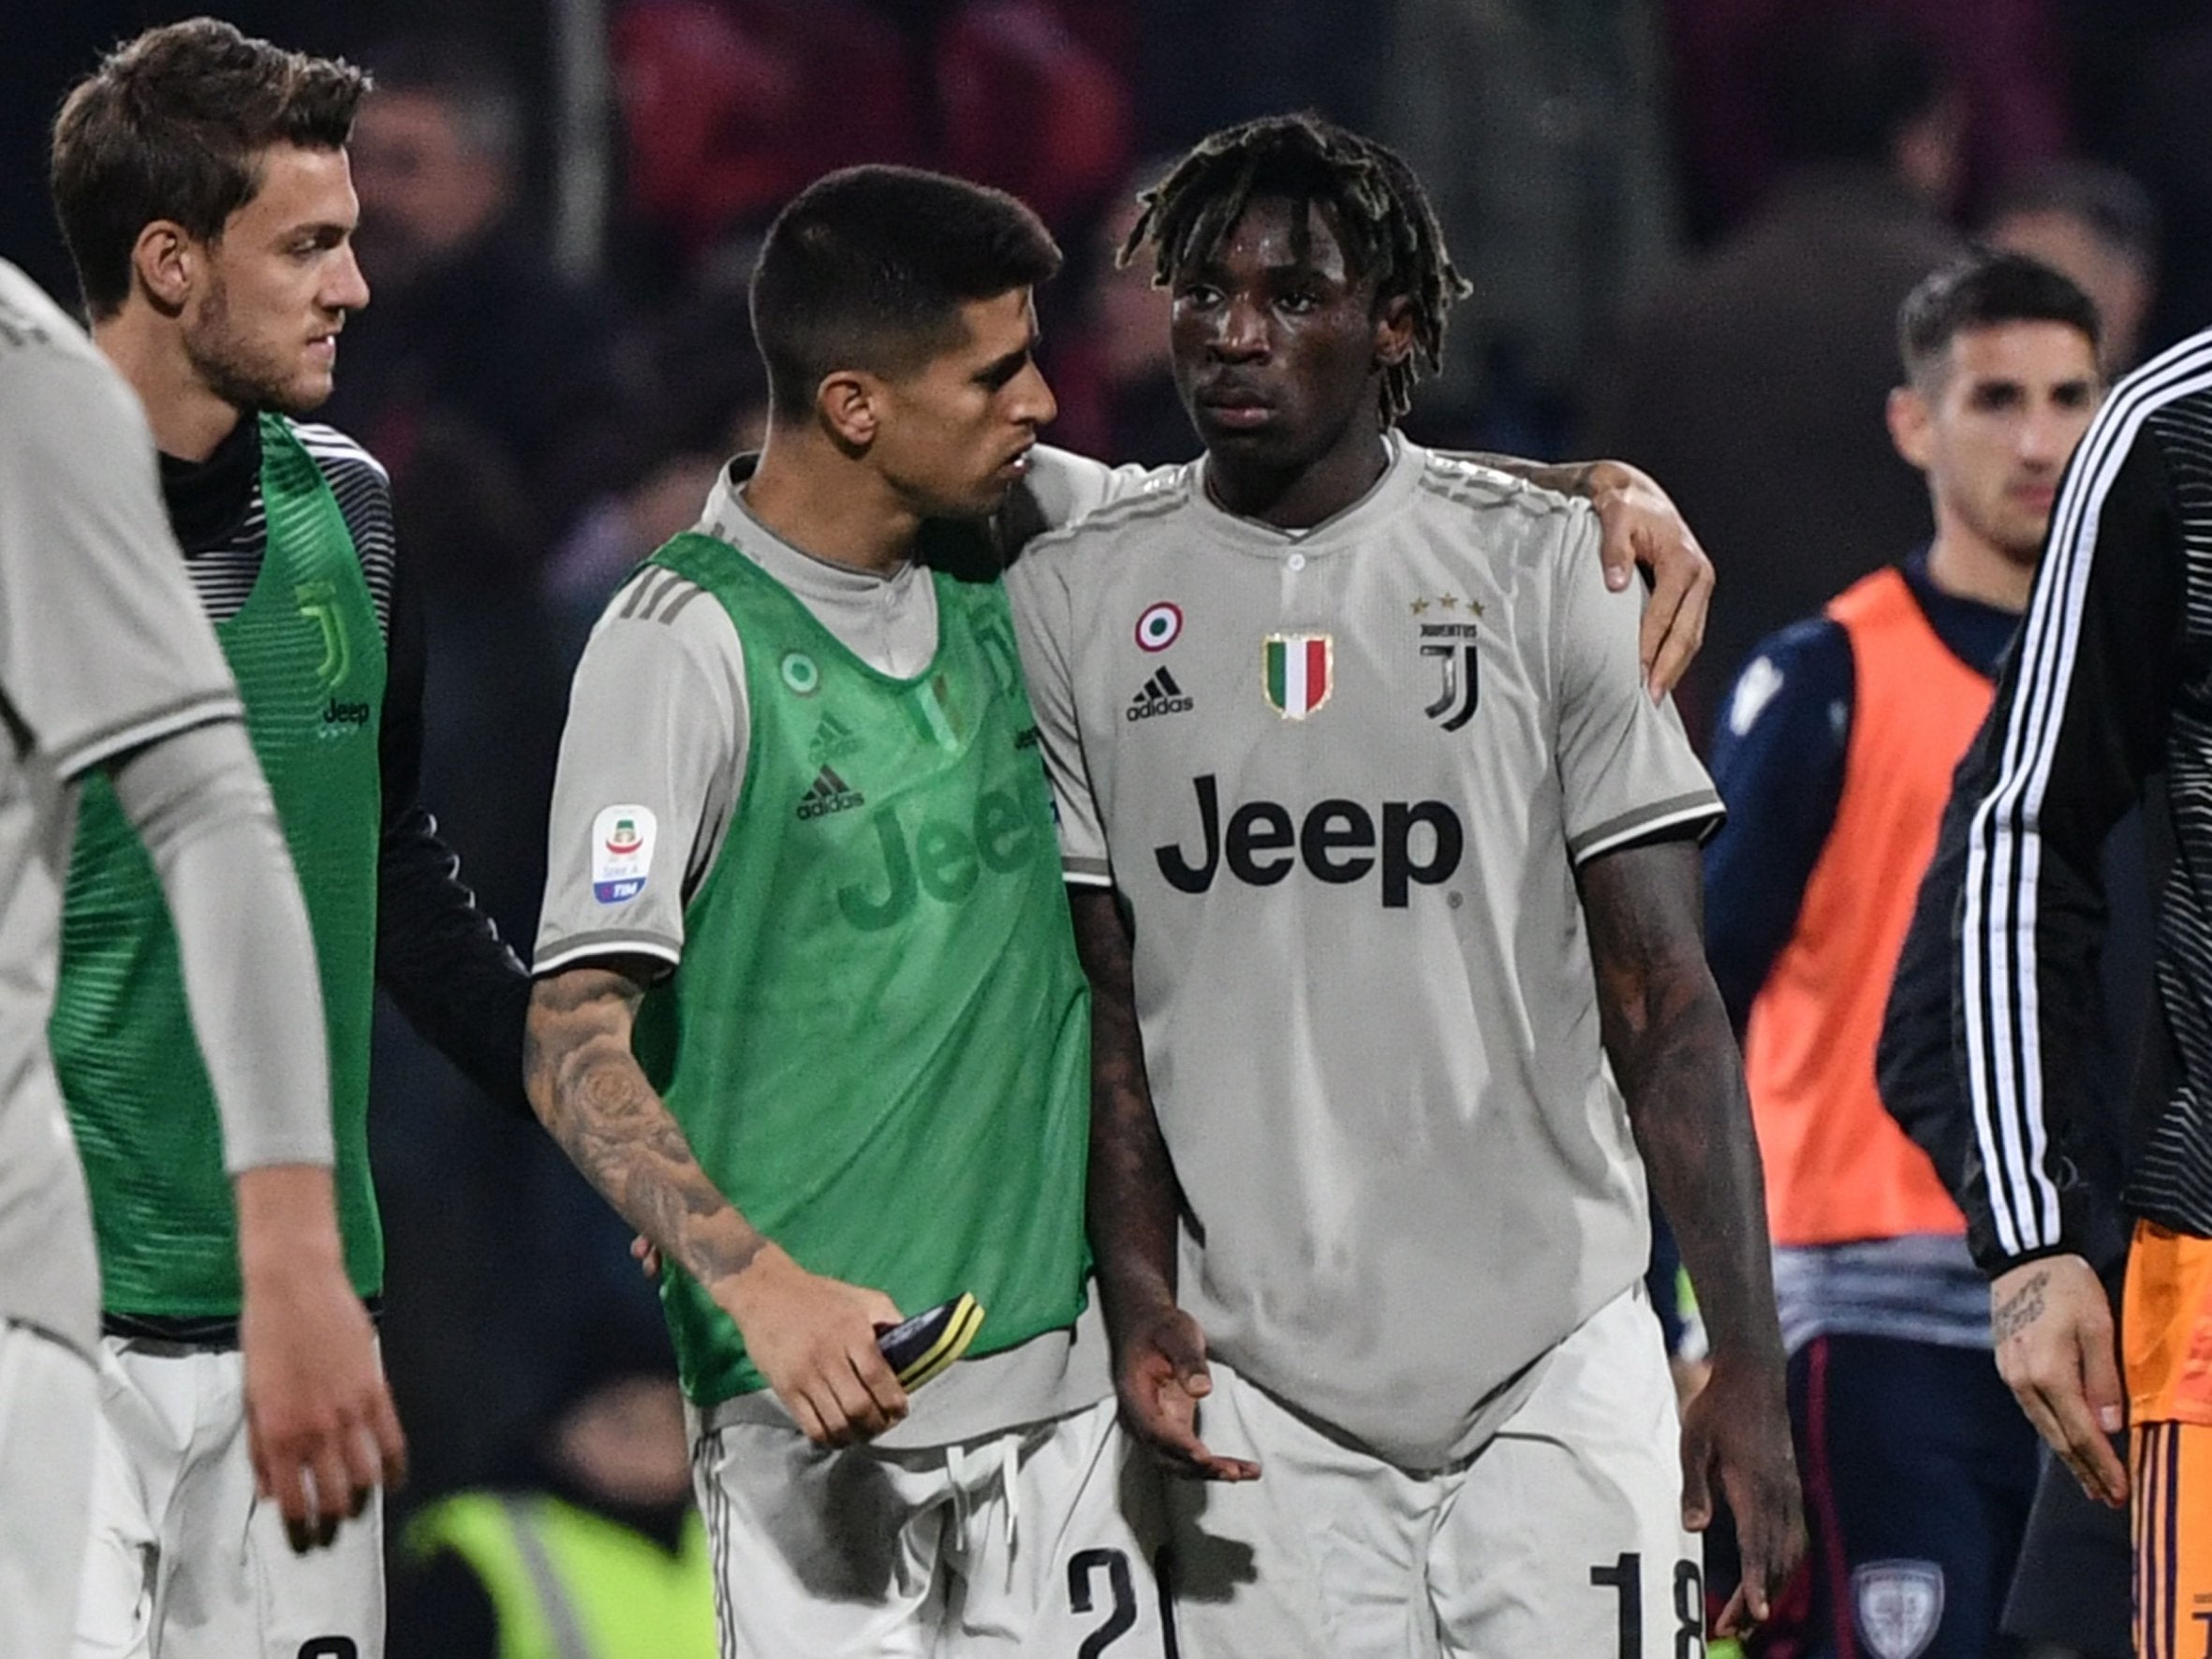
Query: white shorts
{"points": [[184, 1559], [1560, 1535], [47, 1406], [1039, 1541]]}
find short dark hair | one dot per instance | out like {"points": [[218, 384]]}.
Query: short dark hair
{"points": [[1377, 208], [1980, 291], [2117, 210], [868, 268], [173, 126]]}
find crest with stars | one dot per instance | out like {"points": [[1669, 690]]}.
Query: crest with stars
{"points": [[1448, 629]]}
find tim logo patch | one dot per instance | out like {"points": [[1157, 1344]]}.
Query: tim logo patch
{"points": [[1897, 1605], [622, 853]]}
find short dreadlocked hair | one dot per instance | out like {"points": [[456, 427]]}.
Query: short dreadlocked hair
{"points": [[1381, 214]]}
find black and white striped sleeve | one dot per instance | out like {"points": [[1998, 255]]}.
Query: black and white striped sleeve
{"points": [[2080, 720]]}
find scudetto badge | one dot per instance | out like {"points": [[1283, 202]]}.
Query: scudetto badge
{"points": [[1298, 671]]}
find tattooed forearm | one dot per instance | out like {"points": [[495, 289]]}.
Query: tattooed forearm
{"points": [[1669, 1038], [1570, 477], [2020, 1310], [594, 1100], [1133, 1198]]}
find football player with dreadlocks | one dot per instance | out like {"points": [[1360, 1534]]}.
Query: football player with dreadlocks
{"points": [[1385, 870]]}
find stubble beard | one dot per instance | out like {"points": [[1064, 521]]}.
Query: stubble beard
{"points": [[2023, 544], [235, 370]]}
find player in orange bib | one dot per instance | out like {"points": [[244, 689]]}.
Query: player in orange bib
{"points": [[1835, 755]]}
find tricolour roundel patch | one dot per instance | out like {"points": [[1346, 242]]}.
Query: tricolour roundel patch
{"points": [[1160, 626], [800, 673], [622, 852]]}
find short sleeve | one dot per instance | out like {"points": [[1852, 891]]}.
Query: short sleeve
{"points": [[103, 647], [651, 761], [1037, 588], [1626, 768], [1066, 487]]}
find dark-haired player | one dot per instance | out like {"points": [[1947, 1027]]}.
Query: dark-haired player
{"points": [[808, 1009], [1835, 754], [2111, 684], [108, 670], [1368, 899], [202, 181]]}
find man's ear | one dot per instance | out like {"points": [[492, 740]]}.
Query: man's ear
{"points": [[166, 265], [1912, 425], [850, 404], [1394, 331]]}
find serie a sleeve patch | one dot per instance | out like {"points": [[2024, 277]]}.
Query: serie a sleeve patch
{"points": [[622, 852]]}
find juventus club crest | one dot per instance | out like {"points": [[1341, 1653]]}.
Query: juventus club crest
{"points": [[1450, 644], [1298, 671], [1896, 1606]]}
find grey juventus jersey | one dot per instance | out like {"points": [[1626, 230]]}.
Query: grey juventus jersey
{"points": [[102, 650], [1343, 780]]}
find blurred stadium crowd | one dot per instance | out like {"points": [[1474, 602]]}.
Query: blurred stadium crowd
{"points": [[1689, 221]]}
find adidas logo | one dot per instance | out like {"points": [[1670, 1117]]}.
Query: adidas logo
{"points": [[830, 794], [1159, 695], [833, 741]]}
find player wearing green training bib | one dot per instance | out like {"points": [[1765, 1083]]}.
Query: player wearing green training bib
{"points": [[911, 889], [310, 666], [222, 308], [808, 1009]]}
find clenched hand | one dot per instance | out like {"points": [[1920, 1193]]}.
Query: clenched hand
{"points": [[814, 1338]]}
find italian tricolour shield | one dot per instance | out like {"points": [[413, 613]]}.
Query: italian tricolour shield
{"points": [[1298, 670]]}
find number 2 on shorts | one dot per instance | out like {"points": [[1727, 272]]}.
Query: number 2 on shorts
{"points": [[1123, 1617]]}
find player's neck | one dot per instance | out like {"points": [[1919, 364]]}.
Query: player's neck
{"points": [[1299, 497], [1969, 566], [189, 420], [830, 506]]}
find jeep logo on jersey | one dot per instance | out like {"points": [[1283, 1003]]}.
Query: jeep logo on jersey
{"points": [[1158, 696], [1338, 841], [942, 859], [340, 717]]}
